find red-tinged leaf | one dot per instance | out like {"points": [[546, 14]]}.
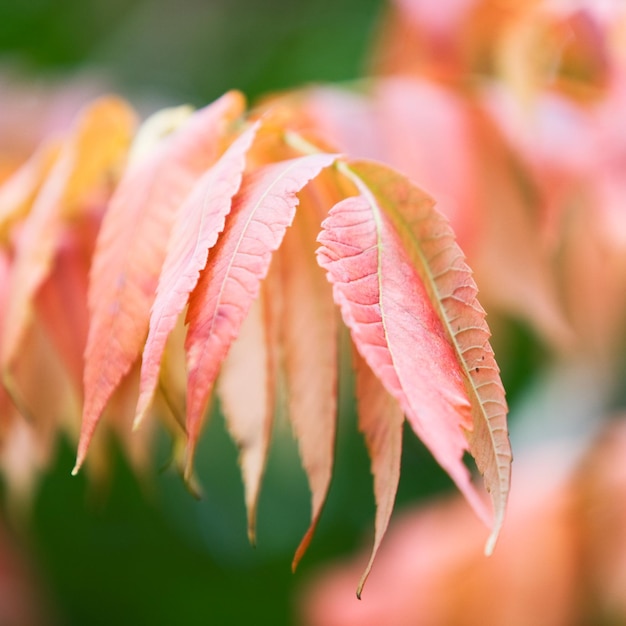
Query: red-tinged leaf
{"points": [[198, 224], [309, 334], [101, 129], [380, 420], [442, 271], [131, 249], [395, 328], [249, 414], [262, 211]]}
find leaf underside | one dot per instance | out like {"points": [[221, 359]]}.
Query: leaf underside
{"points": [[440, 264]]}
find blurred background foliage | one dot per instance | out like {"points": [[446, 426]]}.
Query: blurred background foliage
{"points": [[147, 552], [193, 50]]}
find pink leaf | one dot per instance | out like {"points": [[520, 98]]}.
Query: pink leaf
{"points": [[396, 330], [403, 329], [380, 420], [262, 211], [247, 390], [309, 331], [131, 249], [198, 224], [83, 168], [432, 251]]}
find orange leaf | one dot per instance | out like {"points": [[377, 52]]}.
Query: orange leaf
{"points": [[131, 249], [19, 191], [309, 330], [96, 140], [198, 224], [262, 211]]}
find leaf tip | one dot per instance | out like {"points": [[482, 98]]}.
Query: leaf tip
{"points": [[493, 536], [188, 473], [140, 414], [364, 575], [304, 544], [252, 535], [191, 482]]}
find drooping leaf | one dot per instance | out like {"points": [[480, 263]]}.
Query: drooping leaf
{"points": [[198, 224], [87, 164], [261, 212], [309, 333], [394, 324], [131, 249], [253, 364], [246, 387], [380, 420], [396, 330], [460, 322]]}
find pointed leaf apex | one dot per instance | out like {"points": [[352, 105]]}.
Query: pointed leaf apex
{"points": [[143, 404], [252, 532]]}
